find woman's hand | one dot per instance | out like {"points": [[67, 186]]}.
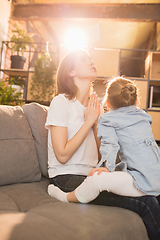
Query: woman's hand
{"points": [[99, 170], [91, 115], [92, 111]]}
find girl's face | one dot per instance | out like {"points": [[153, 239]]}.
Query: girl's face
{"points": [[84, 67]]}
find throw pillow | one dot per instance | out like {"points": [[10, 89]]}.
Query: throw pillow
{"points": [[36, 115], [18, 157]]}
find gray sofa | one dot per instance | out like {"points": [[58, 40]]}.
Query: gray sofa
{"points": [[27, 212]]}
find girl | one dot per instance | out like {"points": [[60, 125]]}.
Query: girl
{"points": [[126, 130], [73, 144]]}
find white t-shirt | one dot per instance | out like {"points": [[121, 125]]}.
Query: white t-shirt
{"points": [[70, 114]]}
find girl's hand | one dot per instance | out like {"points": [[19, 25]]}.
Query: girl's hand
{"points": [[92, 111], [99, 170]]}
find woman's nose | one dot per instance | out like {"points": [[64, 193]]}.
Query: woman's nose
{"points": [[92, 62]]}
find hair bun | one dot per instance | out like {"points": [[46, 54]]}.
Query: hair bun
{"points": [[121, 92], [129, 87]]}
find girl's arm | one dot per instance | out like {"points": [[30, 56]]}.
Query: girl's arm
{"points": [[109, 146], [65, 149], [98, 142]]}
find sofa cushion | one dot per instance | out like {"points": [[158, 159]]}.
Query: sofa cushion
{"points": [[28, 226], [36, 116], [6, 203], [86, 221], [28, 195], [18, 157]]}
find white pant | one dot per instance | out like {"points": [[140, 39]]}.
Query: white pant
{"points": [[117, 182]]}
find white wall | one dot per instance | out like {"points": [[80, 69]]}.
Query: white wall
{"points": [[5, 6]]}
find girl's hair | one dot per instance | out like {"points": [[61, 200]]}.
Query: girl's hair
{"points": [[121, 92], [65, 82]]}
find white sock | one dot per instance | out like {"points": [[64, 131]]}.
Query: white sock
{"points": [[57, 193]]}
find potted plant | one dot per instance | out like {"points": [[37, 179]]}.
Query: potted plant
{"points": [[19, 42], [17, 82], [43, 80], [9, 95]]}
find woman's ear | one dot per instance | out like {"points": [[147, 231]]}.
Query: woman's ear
{"points": [[72, 73]]}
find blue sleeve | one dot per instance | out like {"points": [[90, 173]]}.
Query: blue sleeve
{"points": [[109, 146]]}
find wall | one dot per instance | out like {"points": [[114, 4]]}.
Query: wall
{"points": [[158, 37], [21, 25], [4, 17], [6, 27]]}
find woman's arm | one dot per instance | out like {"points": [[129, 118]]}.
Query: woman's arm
{"points": [[65, 149], [99, 170]]}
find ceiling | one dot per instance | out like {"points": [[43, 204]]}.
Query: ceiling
{"points": [[101, 33]]}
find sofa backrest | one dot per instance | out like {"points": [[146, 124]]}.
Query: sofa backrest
{"points": [[36, 115], [18, 156]]}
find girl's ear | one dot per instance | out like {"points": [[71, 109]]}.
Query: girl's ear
{"points": [[136, 102], [108, 104], [72, 73]]}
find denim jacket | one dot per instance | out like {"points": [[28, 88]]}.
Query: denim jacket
{"points": [[127, 131]]}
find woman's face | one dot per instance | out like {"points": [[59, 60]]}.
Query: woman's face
{"points": [[84, 67]]}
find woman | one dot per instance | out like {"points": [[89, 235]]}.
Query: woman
{"points": [[69, 122], [72, 140]]}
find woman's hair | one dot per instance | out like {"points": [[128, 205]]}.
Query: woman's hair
{"points": [[65, 82], [121, 92]]}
